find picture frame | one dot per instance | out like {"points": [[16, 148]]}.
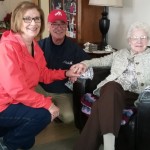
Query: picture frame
{"points": [[55, 4]]}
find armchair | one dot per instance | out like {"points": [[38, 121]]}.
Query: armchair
{"points": [[134, 135]]}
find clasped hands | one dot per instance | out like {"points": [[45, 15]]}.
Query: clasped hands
{"points": [[79, 69]]}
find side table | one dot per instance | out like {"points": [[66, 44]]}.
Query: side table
{"points": [[98, 53]]}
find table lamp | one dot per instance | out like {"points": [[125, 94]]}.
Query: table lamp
{"points": [[104, 22]]}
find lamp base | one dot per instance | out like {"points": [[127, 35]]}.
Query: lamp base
{"points": [[104, 24], [101, 46]]}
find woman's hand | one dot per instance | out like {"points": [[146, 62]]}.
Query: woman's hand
{"points": [[72, 73], [75, 71], [54, 110], [79, 68]]}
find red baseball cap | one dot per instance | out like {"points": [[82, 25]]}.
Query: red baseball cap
{"points": [[57, 14]]}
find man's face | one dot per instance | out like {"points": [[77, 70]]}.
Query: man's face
{"points": [[57, 29]]}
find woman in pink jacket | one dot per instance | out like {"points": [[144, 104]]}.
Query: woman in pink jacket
{"points": [[24, 112]]}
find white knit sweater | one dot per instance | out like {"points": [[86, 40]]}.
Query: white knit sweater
{"points": [[118, 61]]}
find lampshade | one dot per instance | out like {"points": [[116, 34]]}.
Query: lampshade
{"points": [[113, 3]]}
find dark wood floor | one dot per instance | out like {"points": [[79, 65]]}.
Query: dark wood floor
{"points": [[56, 132]]}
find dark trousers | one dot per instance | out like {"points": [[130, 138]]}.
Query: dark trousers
{"points": [[19, 124], [106, 116]]}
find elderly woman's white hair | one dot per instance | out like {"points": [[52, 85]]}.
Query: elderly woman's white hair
{"points": [[139, 25]]}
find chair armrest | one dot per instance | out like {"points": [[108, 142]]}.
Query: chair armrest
{"points": [[99, 75], [143, 126], [83, 86], [86, 85]]}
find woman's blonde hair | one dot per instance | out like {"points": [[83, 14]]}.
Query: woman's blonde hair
{"points": [[18, 13]]}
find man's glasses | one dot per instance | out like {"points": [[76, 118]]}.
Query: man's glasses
{"points": [[56, 25], [137, 38], [29, 19]]}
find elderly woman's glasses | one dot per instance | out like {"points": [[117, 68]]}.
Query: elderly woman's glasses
{"points": [[137, 38], [29, 19]]}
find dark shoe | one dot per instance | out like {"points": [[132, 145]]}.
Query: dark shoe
{"points": [[2, 146]]}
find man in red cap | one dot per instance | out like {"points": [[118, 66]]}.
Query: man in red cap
{"points": [[60, 53]]}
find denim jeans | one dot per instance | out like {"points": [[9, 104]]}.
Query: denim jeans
{"points": [[19, 124]]}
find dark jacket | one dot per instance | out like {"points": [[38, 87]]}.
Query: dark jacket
{"points": [[61, 57]]}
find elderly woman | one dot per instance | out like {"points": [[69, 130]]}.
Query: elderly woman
{"points": [[130, 74]]}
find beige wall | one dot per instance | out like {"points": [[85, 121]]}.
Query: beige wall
{"points": [[7, 6], [45, 6], [121, 18]]}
